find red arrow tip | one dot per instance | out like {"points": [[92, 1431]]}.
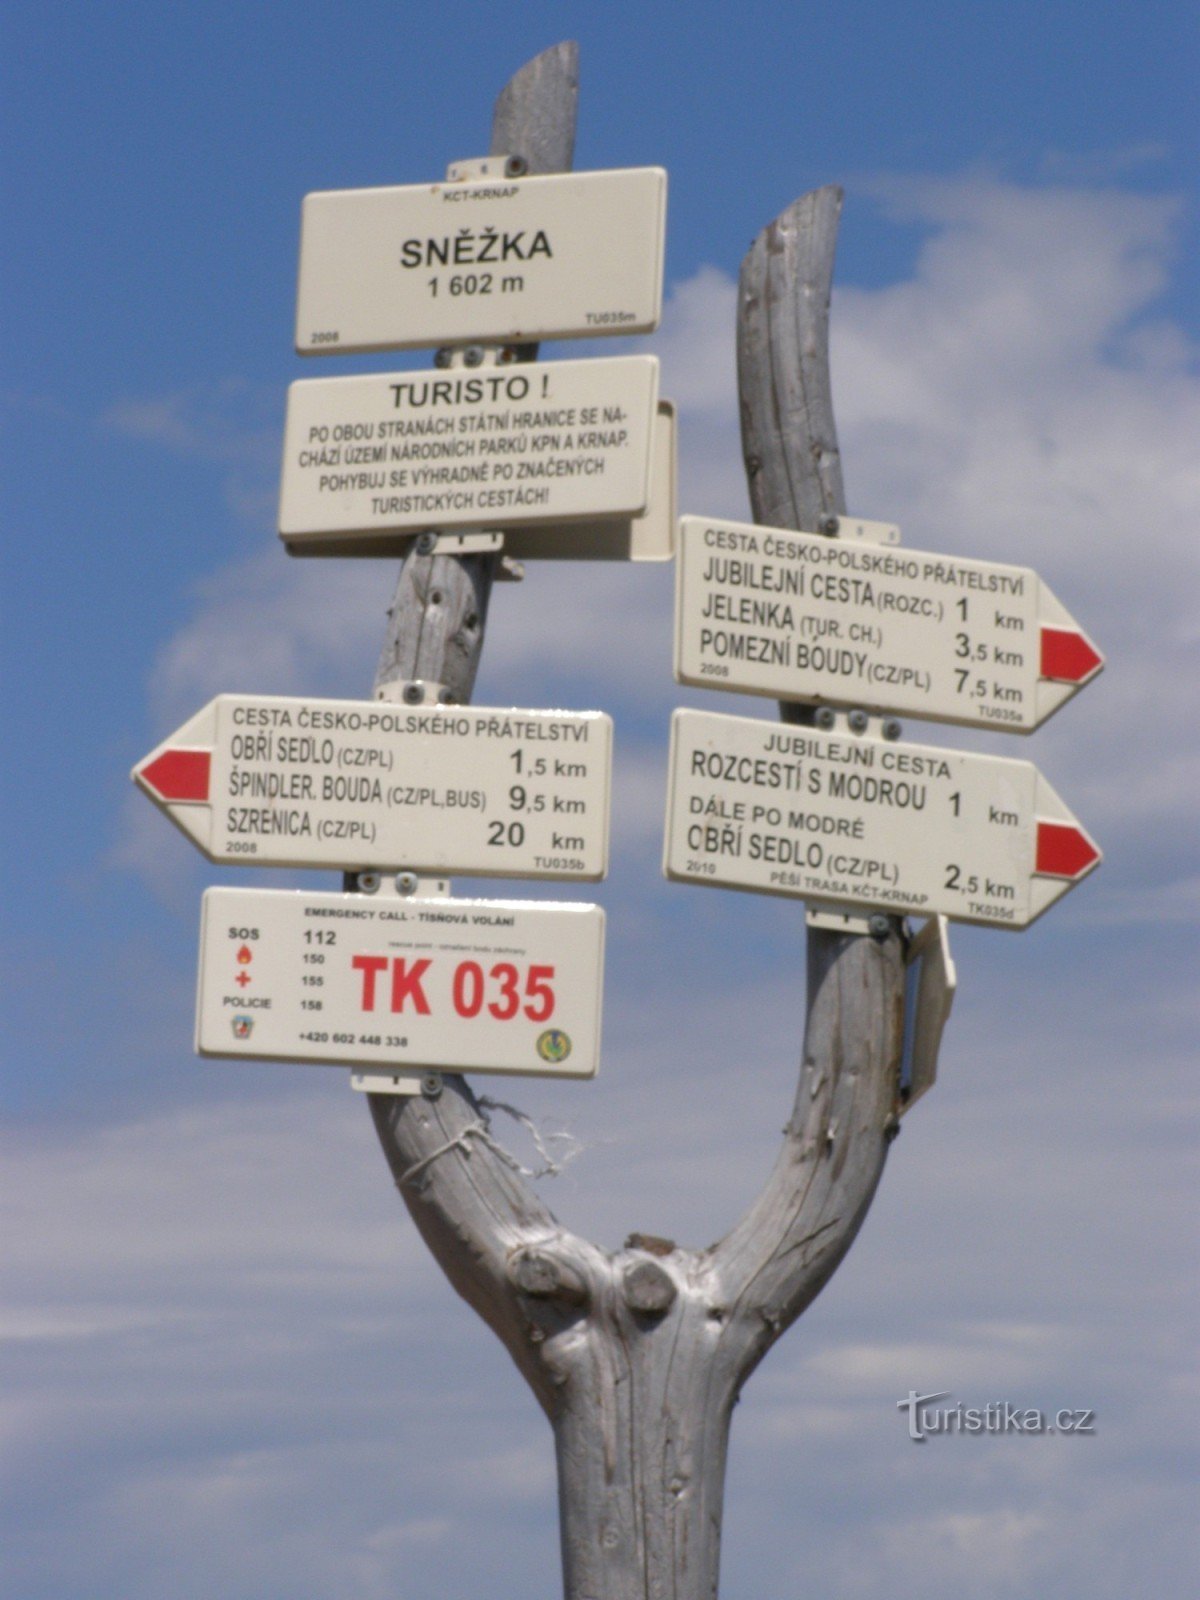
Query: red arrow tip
{"points": [[1070, 657], [179, 775], [1063, 850]]}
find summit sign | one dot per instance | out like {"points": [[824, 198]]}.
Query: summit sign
{"points": [[566, 256]]}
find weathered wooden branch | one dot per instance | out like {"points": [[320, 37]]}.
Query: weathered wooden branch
{"points": [[637, 1355], [438, 616]]}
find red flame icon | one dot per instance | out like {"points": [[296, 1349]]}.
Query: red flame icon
{"points": [[245, 954]]}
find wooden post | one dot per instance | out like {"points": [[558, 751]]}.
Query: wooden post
{"points": [[637, 1355]]}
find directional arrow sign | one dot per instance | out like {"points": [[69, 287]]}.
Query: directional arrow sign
{"points": [[801, 617], [892, 827], [466, 985], [505, 446], [274, 781], [557, 257]]}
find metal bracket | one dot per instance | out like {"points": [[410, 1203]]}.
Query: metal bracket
{"points": [[384, 883], [929, 989], [507, 167], [858, 528], [834, 920], [856, 723], [460, 544], [387, 1082], [411, 692]]}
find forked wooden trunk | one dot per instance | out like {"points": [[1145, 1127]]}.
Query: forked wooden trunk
{"points": [[637, 1356]]}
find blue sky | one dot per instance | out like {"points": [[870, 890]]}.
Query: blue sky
{"points": [[231, 1369]]}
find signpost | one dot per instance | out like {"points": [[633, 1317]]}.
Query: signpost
{"points": [[267, 780], [417, 986], [784, 809], [495, 447], [800, 617], [565, 256], [467, 985]]}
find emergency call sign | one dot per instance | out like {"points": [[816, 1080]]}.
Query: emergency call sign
{"points": [[783, 809], [271, 780], [506, 986]]}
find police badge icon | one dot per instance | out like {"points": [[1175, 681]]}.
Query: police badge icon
{"points": [[242, 1027]]}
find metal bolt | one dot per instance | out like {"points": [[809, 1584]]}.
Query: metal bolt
{"points": [[516, 167], [506, 356], [892, 728], [414, 693], [406, 883], [447, 697], [426, 544], [431, 1085], [368, 882], [443, 357], [879, 925], [473, 355], [829, 526], [825, 717], [858, 721]]}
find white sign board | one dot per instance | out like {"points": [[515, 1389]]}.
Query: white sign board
{"points": [[647, 537], [458, 985], [800, 617], [269, 780], [554, 441], [505, 260], [900, 828]]}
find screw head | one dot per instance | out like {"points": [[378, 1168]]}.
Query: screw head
{"points": [[829, 526], [879, 925], [825, 717], [368, 882], [516, 167], [892, 728], [431, 1085], [406, 883], [414, 693], [443, 357], [426, 544], [858, 721], [473, 355]]}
